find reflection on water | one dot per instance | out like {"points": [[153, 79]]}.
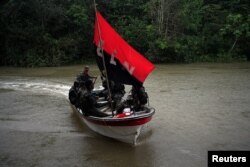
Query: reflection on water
{"points": [[198, 108]]}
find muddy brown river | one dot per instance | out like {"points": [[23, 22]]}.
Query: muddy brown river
{"points": [[199, 107]]}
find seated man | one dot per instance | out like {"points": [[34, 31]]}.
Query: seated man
{"points": [[117, 92], [140, 97], [88, 101], [137, 100], [73, 98]]}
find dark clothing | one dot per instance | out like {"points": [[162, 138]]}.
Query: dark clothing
{"points": [[140, 97], [83, 77], [73, 97], [117, 92], [89, 104]]}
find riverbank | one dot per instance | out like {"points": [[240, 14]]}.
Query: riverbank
{"points": [[75, 69]]}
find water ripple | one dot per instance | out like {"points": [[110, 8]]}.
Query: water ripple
{"points": [[36, 85]]}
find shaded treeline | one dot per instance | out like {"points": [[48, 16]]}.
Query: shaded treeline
{"points": [[55, 32]]}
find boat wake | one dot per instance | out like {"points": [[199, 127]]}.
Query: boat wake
{"points": [[36, 86], [146, 133]]}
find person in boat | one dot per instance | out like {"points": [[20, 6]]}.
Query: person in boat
{"points": [[84, 75], [73, 94], [81, 91], [88, 101], [136, 101], [117, 92], [140, 97]]}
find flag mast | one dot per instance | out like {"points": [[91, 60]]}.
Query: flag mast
{"points": [[103, 60]]}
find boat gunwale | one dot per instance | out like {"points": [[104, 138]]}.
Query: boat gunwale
{"points": [[135, 120], [133, 117]]}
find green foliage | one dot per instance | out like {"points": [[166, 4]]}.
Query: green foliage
{"points": [[237, 30], [237, 26], [77, 14], [191, 16], [52, 33], [38, 33]]}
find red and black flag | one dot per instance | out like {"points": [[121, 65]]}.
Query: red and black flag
{"points": [[124, 64]]}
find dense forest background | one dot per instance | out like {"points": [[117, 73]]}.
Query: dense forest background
{"points": [[55, 32]]}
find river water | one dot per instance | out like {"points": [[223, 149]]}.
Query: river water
{"points": [[199, 107]]}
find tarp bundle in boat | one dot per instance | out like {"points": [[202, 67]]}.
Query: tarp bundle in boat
{"points": [[124, 64]]}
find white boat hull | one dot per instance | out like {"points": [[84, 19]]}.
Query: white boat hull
{"points": [[127, 134], [125, 130]]}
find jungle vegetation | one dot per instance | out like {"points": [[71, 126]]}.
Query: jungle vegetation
{"points": [[53, 32]]}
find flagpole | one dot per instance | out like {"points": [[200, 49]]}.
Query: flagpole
{"points": [[103, 60]]}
